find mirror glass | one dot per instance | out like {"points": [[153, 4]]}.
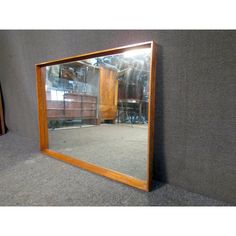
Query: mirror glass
{"points": [[97, 110]]}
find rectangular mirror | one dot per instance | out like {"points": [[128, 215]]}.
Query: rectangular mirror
{"points": [[96, 111]]}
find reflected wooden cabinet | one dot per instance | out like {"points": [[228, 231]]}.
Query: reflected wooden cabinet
{"points": [[73, 106], [108, 94], [83, 106]]}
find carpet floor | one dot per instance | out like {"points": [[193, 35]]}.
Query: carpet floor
{"points": [[29, 178]]}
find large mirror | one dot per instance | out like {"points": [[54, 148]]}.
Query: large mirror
{"points": [[96, 111]]}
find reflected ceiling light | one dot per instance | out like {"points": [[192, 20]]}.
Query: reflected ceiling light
{"points": [[137, 52]]}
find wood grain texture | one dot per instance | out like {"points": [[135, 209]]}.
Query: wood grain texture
{"points": [[108, 92], [151, 113], [42, 108], [112, 51], [111, 174]]}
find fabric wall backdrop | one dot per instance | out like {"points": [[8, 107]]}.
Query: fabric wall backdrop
{"points": [[196, 96]]}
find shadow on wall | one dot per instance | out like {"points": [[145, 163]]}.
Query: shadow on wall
{"points": [[159, 168], [3, 127]]}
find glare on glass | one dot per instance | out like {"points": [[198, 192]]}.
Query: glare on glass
{"points": [[97, 110]]}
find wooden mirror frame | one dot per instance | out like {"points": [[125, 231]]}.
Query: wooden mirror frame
{"points": [[43, 126]]}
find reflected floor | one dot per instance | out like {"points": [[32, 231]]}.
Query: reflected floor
{"points": [[118, 147]]}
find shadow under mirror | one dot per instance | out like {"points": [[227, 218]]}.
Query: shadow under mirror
{"points": [[97, 110]]}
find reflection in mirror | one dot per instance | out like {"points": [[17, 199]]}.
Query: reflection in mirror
{"points": [[97, 110]]}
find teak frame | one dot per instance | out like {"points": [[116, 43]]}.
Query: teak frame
{"points": [[42, 116]]}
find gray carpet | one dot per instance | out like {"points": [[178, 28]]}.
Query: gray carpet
{"points": [[118, 147], [29, 178]]}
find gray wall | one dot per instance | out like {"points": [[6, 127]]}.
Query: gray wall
{"points": [[196, 94]]}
